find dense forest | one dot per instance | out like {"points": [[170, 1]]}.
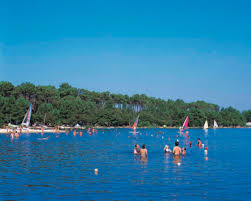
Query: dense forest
{"points": [[67, 105]]}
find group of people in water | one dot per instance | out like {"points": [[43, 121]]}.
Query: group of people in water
{"points": [[176, 149]]}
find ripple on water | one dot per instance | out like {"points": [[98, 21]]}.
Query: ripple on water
{"points": [[62, 168]]}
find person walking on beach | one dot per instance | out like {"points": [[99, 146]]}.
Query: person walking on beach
{"points": [[176, 149], [136, 149]]}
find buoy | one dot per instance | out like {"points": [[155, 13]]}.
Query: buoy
{"points": [[206, 148], [178, 164]]}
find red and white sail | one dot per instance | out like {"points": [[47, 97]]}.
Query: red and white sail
{"points": [[185, 124], [134, 127]]}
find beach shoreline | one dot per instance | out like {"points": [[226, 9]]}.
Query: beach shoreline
{"points": [[57, 131]]}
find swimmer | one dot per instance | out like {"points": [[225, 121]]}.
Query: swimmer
{"points": [[143, 151], [136, 149], [16, 134], [199, 142], [176, 149], [167, 150], [184, 150], [190, 144]]}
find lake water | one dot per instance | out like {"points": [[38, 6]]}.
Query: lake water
{"points": [[62, 168]]}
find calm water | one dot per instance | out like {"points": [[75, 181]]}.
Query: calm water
{"points": [[62, 168]]}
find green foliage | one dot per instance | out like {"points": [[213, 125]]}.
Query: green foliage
{"points": [[68, 105], [247, 115]]}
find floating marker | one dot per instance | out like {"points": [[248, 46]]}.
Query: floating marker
{"points": [[178, 164]]}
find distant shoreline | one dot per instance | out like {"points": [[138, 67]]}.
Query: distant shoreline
{"points": [[53, 130]]}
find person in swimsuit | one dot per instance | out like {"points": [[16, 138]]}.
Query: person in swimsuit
{"points": [[190, 144], [184, 150], [176, 149], [167, 150], [136, 149], [199, 142], [143, 151]]}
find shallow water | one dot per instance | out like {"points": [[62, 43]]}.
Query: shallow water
{"points": [[62, 168]]}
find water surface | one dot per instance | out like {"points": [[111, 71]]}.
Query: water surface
{"points": [[62, 167]]}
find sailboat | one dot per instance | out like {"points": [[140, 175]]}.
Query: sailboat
{"points": [[215, 124], [27, 117], [134, 126], [185, 124], [206, 125]]}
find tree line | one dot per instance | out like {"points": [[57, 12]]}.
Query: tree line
{"points": [[68, 105]]}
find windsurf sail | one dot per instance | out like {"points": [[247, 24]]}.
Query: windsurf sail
{"points": [[215, 124], [134, 127], [206, 125], [185, 124], [27, 117]]}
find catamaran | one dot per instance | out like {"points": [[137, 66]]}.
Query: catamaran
{"points": [[206, 125], [27, 117], [215, 124], [185, 124]]}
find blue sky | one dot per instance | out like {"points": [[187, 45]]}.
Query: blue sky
{"points": [[193, 50]]}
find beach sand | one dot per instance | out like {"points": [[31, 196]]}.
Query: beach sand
{"points": [[4, 131]]}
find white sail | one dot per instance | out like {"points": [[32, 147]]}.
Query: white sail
{"points": [[206, 125], [27, 117], [215, 124]]}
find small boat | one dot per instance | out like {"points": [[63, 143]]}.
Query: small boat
{"points": [[185, 124], [27, 117], [205, 125], [215, 124]]}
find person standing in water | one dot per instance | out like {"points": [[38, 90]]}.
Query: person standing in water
{"points": [[143, 151], [167, 150], [184, 150], [199, 142], [176, 149], [136, 149]]}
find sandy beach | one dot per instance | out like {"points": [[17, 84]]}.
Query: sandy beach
{"points": [[4, 131]]}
